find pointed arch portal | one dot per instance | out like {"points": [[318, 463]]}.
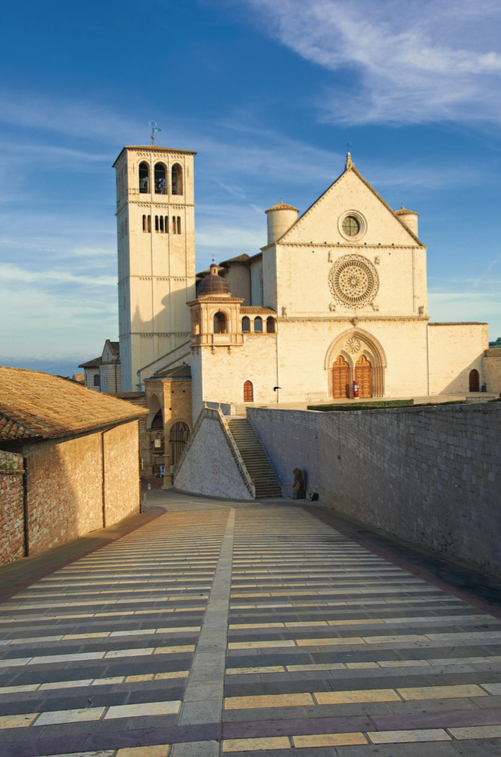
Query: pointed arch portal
{"points": [[359, 354]]}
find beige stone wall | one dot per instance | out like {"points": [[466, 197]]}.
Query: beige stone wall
{"points": [[307, 350], [492, 370], [224, 372], [64, 481], [121, 479], [11, 507], [431, 476], [209, 467], [455, 350], [65, 485]]}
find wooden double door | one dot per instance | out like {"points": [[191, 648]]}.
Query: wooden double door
{"points": [[363, 377], [341, 378]]}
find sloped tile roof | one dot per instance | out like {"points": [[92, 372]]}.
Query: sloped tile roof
{"points": [[94, 363], [39, 405]]}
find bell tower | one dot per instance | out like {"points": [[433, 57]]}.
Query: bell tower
{"points": [[156, 255]]}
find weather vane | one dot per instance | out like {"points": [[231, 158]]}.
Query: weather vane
{"points": [[153, 125]]}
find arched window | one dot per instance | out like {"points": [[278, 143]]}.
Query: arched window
{"points": [[220, 323], [474, 381], [270, 325], [158, 421], [149, 224], [97, 380], [178, 437], [173, 224], [258, 324], [156, 224], [166, 224], [160, 179], [177, 179], [245, 324], [144, 223], [179, 224], [248, 392], [144, 178], [161, 221]]}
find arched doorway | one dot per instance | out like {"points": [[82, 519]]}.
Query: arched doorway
{"points": [[474, 381], [363, 377], [248, 392], [340, 379], [178, 437]]}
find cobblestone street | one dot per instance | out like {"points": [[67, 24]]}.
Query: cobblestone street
{"points": [[246, 629]]}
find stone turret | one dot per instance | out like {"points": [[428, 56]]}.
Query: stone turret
{"points": [[410, 218], [280, 219]]}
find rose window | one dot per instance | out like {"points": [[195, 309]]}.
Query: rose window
{"points": [[354, 281]]}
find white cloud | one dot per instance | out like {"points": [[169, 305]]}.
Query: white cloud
{"points": [[414, 62]]}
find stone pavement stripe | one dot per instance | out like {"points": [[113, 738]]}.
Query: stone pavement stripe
{"points": [[445, 719], [407, 737], [203, 698], [247, 745], [37, 575], [329, 739], [408, 566], [479, 732]]}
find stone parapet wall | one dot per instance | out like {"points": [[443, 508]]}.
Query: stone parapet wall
{"points": [[429, 475], [11, 507], [210, 463]]}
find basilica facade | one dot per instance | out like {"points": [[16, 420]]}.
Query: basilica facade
{"points": [[334, 305]]}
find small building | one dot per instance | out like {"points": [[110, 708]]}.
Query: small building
{"points": [[78, 451], [104, 373]]}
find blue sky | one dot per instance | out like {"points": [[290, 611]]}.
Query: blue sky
{"points": [[268, 93]]}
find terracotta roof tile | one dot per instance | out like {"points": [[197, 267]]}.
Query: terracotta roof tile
{"points": [[40, 405], [282, 206]]}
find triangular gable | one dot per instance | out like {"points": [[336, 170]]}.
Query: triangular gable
{"points": [[319, 224]]}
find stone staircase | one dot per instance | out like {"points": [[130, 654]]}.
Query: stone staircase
{"points": [[254, 458]]}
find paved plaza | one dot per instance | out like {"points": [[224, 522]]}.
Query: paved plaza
{"points": [[247, 629]]}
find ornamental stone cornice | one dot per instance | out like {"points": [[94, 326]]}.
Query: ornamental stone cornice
{"points": [[350, 318], [351, 246]]}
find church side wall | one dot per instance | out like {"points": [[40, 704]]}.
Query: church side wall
{"points": [[209, 467], [431, 476], [455, 350]]}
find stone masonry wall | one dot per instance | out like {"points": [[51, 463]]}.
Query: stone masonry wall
{"points": [[11, 507], [64, 490], [492, 370], [65, 485], [209, 467], [121, 457], [431, 476]]}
